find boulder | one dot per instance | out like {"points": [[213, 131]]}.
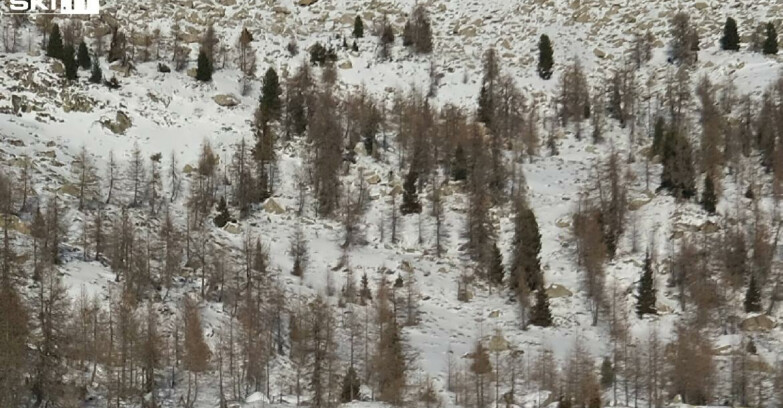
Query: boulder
{"points": [[347, 64], [555, 291], [757, 323], [70, 189], [226, 100], [73, 102], [14, 223], [232, 228], [305, 3], [374, 179], [58, 67], [599, 53], [271, 206], [119, 125], [700, 5], [396, 189]]}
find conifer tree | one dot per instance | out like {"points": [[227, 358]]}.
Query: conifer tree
{"points": [[358, 27], [496, 270], [709, 199], [351, 385], [540, 315], [69, 61], [545, 59], [204, 67], [459, 166], [645, 300], [678, 174], [54, 48], [525, 263], [270, 104], [410, 198], [730, 39], [753, 296], [223, 216], [96, 74], [771, 42], [83, 56]]}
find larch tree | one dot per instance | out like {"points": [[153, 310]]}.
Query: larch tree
{"points": [[197, 353], [87, 177]]}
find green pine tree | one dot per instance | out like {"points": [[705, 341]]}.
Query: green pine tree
{"points": [[708, 198], [96, 75], [351, 385], [645, 300], [678, 174], [753, 297], [54, 48], [540, 315], [730, 39], [496, 270], [484, 106], [270, 103], [69, 61], [525, 262], [410, 198], [459, 166], [358, 27], [545, 59], [771, 42], [83, 56], [659, 133], [204, 67], [223, 216]]}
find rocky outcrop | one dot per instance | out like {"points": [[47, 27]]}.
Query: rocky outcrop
{"points": [[118, 126], [226, 100]]}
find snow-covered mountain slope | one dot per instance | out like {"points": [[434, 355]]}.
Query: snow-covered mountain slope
{"points": [[172, 112]]}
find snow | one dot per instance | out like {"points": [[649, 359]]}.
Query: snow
{"points": [[187, 116]]}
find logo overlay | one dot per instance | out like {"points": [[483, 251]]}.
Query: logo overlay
{"points": [[60, 7]]}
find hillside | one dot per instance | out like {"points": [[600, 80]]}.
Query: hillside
{"points": [[50, 126]]}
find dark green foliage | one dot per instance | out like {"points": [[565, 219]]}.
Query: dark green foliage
{"points": [[351, 384], [645, 300], [83, 56], [659, 133], [770, 46], [730, 39], [417, 32], [358, 27], [410, 198], [525, 262], [69, 61], [398, 283], [365, 293], [540, 315], [320, 55], [484, 106], [545, 59], [223, 216], [54, 48], [459, 167], [204, 67], [355, 47], [496, 270], [678, 174], [270, 103], [709, 199], [607, 373], [96, 74], [753, 297]]}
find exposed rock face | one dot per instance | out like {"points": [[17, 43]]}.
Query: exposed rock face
{"points": [[119, 125], [271, 206], [227, 100], [558, 291], [757, 323]]}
